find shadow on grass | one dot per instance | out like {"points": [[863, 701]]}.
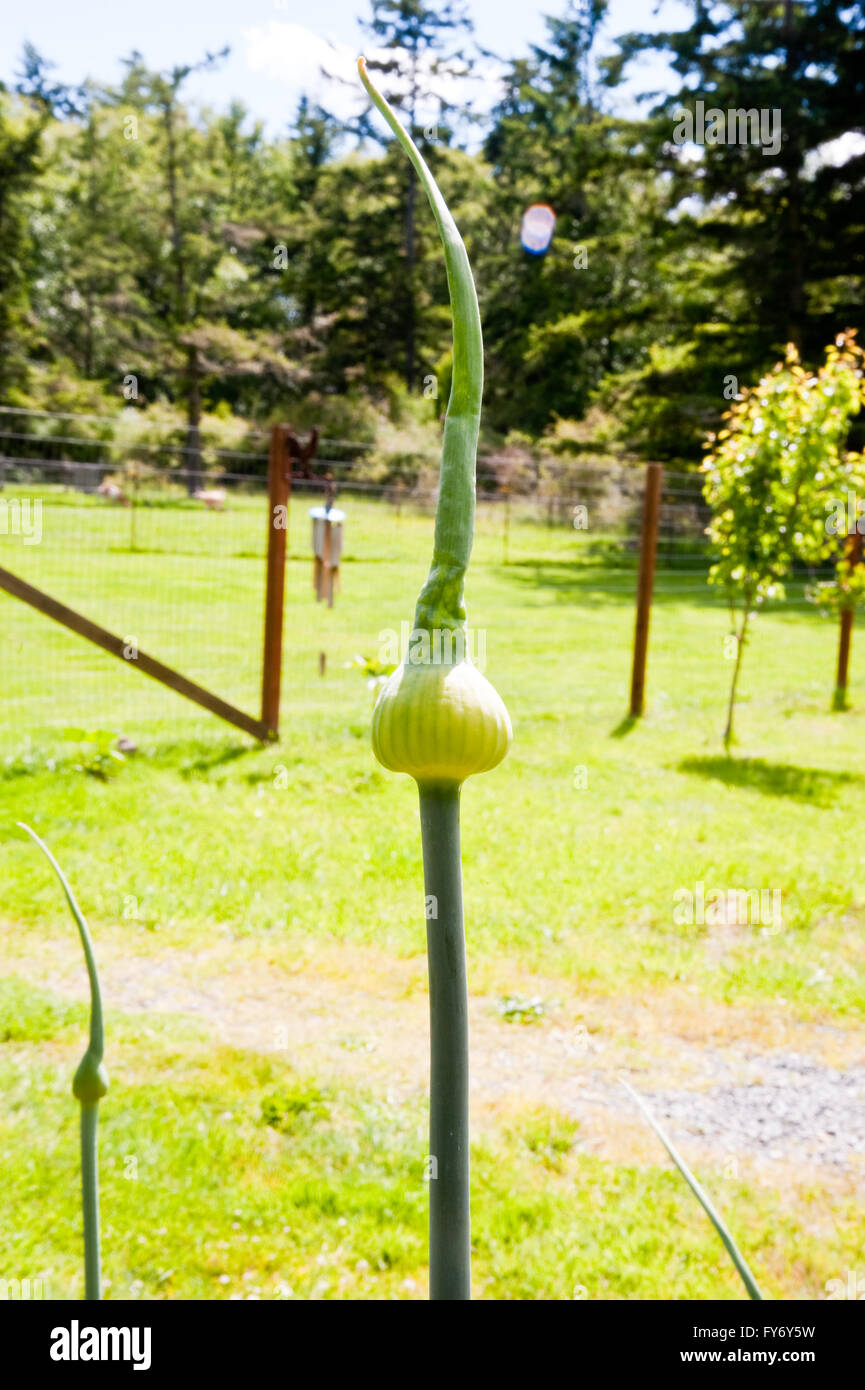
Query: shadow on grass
{"points": [[596, 584], [208, 759], [15, 768], [817, 785], [624, 726]]}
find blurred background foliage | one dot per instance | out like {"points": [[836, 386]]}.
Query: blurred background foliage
{"points": [[181, 262]]}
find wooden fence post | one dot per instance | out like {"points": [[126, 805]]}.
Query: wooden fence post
{"points": [[278, 486], [839, 701], [648, 551]]}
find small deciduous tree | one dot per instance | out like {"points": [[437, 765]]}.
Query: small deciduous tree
{"points": [[773, 474]]}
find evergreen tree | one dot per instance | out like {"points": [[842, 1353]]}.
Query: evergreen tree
{"points": [[202, 256], [20, 147], [557, 323], [780, 215]]}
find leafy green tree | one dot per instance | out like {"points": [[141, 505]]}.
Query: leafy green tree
{"points": [[85, 293], [218, 267], [205, 257], [24, 118], [192, 253], [774, 473]]}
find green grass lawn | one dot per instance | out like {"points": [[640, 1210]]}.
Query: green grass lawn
{"points": [[227, 1175], [573, 850]]}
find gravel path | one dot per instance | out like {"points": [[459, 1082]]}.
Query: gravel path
{"points": [[784, 1107]]}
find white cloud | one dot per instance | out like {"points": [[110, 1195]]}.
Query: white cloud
{"points": [[295, 56]]}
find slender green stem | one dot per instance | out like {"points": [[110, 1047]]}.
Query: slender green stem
{"points": [[741, 638], [703, 1198], [89, 1085], [90, 1198], [441, 604], [449, 1221]]}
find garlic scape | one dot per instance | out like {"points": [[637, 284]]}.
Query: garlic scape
{"points": [[438, 719], [89, 1085]]}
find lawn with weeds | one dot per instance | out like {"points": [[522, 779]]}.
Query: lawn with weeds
{"points": [[227, 1175], [574, 854]]}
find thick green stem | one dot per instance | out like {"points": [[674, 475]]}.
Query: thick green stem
{"points": [[441, 604], [449, 1221], [90, 1198]]}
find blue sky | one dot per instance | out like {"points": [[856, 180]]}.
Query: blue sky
{"points": [[277, 45]]}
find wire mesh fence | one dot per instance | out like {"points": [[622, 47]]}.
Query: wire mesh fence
{"points": [[123, 532]]}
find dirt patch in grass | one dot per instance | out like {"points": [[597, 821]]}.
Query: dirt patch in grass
{"points": [[736, 1085]]}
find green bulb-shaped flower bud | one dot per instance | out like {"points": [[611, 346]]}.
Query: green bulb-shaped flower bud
{"points": [[90, 1082], [439, 722]]}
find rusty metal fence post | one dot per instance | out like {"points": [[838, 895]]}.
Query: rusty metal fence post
{"points": [[278, 489], [645, 582], [845, 636]]}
